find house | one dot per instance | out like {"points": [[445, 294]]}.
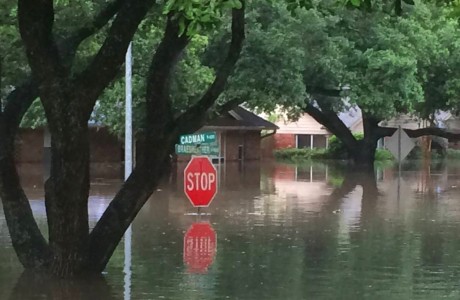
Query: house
{"points": [[442, 119], [33, 147], [306, 132], [239, 134]]}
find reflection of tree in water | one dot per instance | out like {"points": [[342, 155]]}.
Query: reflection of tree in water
{"points": [[321, 240], [382, 250], [41, 286]]}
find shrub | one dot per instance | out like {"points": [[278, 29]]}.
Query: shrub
{"points": [[383, 154], [295, 154], [453, 154], [337, 148]]}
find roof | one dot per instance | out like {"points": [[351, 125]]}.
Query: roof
{"points": [[240, 118], [413, 122], [351, 116]]}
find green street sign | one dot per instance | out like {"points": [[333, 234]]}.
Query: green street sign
{"points": [[198, 138], [197, 150]]}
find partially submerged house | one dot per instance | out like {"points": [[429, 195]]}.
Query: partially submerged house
{"points": [[406, 121], [306, 132], [239, 134]]}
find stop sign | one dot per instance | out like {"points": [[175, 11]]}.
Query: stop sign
{"points": [[199, 247], [200, 181]]}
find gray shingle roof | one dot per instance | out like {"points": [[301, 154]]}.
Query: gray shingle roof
{"points": [[241, 118]]}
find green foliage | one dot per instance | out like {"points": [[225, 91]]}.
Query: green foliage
{"points": [[407, 64], [190, 80], [303, 154], [337, 148], [383, 155], [294, 154], [196, 16], [453, 154], [269, 71]]}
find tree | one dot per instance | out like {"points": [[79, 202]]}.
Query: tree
{"points": [[382, 63], [68, 93]]}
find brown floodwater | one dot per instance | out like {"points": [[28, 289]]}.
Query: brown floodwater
{"points": [[274, 231]]}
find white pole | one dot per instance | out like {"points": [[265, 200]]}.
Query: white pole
{"points": [[128, 165], [128, 115]]}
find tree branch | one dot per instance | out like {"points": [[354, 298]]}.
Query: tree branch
{"points": [[105, 65], [415, 133], [315, 90], [29, 244], [332, 122], [36, 18], [218, 86], [139, 186], [69, 45], [164, 60], [19, 100]]}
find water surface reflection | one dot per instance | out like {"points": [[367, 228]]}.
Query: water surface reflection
{"points": [[309, 231]]}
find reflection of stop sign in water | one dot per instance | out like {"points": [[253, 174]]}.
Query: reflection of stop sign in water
{"points": [[200, 181], [199, 247]]}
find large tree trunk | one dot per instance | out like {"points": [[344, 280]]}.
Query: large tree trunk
{"points": [[363, 153], [66, 193]]}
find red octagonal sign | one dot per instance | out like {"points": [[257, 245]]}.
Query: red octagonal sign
{"points": [[200, 181]]}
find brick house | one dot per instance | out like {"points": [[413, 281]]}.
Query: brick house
{"points": [[239, 134], [442, 119], [32, 146], [32, 149], [306, 132]]}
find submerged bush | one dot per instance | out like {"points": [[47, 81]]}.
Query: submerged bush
{"points": [[296, 154], [383, 154], [453, 154], [337, 149]]}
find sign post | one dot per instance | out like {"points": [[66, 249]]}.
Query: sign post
{"points": [[200, 181]]}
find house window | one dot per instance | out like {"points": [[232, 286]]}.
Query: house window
{"points": [[319, 141], [303, 141], [311, 141]]}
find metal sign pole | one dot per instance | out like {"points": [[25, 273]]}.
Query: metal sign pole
{"points": [[128, 166]]}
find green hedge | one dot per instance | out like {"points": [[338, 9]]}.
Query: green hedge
{"points": [[453, 154], [300, 154], [294, 154]]}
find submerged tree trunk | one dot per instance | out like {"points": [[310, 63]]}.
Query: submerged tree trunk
{"points": [[66, 194], [363, 153]]}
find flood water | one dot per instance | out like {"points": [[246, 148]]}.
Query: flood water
{"points": [[275, 231]]}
